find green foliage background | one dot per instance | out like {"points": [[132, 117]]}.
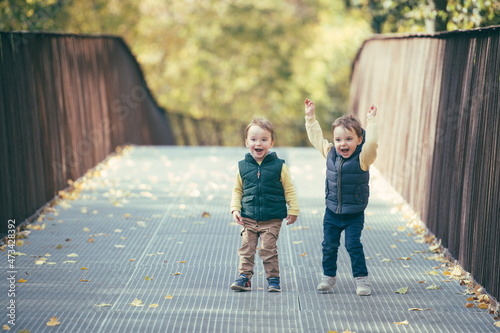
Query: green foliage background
{"points": [[232, 59]]}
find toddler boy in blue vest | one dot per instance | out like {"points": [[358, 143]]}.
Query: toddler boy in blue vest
{"points": [[348, 161], [262, 190]]}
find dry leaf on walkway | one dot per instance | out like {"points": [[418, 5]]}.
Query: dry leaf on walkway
{"points": [[432, 287], [91, 240], [141, 224], [137, 302], [153, 305], [303, 254], [404, 258], [6, 328], [181, 262], [59, 246], [53, 322], [419, 309], [497, 324], [178, 273], [103, 305], [22, 281], [205, 214], [119, 246], [385, 260], [404, 322], [83, 280], [469, 305], [403, 290], [298, 242], [17, 254], [394, 246], [86, 229], [169, 297], [72, 255], [147, 278]]}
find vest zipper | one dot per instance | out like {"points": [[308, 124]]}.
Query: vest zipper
{"points": [[339, 185], [260, 194]]}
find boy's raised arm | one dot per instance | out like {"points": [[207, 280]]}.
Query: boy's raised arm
{"points": [[369, 151], [314, 132]]}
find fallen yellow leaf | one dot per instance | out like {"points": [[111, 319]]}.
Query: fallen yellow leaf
{"points": [[497, 324], [303, 254], [6, 328], [153, 305], [82, 280], [433, 287], [181, 262], [22, 280], [402, 290], [147, 278], [86, 229], [137, 302], [53, 322], [169, 297], [19, 242], [103, 305], [330, 331], [83, 268], [91, 240], [72, 255], [404, 322], [482, 306], [404, 258], [205, 214], [178, 273], [393, 246], [469, 305]]}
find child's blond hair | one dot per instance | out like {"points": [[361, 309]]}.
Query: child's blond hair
{"points": [[262, 123], [349, 122]]}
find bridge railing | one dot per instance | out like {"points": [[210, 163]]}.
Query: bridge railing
{"points": [[439, 119], [66, 102]]}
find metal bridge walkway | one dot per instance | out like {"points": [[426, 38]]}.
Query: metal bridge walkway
{"points": [[151, 227]]}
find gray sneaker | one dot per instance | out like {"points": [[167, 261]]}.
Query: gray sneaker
{"points": [[363, 286], [327, 283]]}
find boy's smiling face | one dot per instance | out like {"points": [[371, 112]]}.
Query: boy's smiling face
{"points": [[259, 141], [346, 141]]}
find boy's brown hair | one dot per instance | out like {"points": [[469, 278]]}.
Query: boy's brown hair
{"points": [[350, 122], [262, 123]]}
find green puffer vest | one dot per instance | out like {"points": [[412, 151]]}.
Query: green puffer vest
{"points": [[263, 195]]}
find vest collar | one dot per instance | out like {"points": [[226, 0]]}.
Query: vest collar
{"points": [[269, 157]]}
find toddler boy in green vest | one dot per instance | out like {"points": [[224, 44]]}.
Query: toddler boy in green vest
{"points": [[262, 190]]}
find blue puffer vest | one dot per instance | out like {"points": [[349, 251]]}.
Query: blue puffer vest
{"points": [[263, 195], [347, 189]]}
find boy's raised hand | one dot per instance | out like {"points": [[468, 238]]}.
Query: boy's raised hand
{"points": [[309, 107], [372, 112]]}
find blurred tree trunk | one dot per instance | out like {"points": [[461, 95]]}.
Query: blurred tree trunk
{"points": [[435, 22]]}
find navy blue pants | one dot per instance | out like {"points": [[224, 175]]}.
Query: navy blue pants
{"points": [[333, 225]]}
